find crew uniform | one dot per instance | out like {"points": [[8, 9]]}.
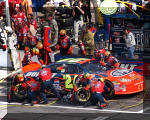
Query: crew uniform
{"points": [[47, 83], [97, 88], [33, 87], [27, 57], [65, 44], [99, 54], [110, 61], [84, 81]]}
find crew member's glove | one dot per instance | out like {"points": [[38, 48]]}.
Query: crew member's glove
{"points": [[69, 51], [75, 89], [86, 88], [57, 47], [48, 49], [102, 63]]}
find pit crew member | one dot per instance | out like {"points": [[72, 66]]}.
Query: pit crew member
{"points": [[46, 83], [110, 61], [64, 43], [97, 88], [27, 57]]}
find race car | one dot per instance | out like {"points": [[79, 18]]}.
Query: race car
{"points": [[65, 71], [123, 81]]}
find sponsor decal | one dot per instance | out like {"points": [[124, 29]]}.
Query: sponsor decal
{"points": [[128, 66], [32, 74], [120, 72]]}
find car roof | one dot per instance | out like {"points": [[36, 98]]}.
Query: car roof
{"points": [[74, 60]]}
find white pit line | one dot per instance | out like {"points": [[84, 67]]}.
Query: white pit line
{"points": [[73, 108]]}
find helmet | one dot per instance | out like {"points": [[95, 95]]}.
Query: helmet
{"points": [[102, 51], [39, 45], [63, 32], [26, 49], [107, 53], [35, 51], [20, 77], [101, 79], [86, 75]]}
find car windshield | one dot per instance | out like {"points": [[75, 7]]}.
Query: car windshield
{"points": [[93, 67]]}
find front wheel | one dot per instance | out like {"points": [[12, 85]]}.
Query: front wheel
{"points": [[20, 92], [111, 93], [82, 96]]}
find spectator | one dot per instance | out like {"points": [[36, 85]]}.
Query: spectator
{"points": [[99, 38], [87, 12], [51, 22], [78, 13], [130, 42], [88, 40]]}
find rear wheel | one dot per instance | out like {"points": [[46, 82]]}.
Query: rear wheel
{"points": [[111, 93], [82, 96]]}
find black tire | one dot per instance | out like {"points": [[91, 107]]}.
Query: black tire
{"points": [[82, 96], [20, 93], [111, 93]]}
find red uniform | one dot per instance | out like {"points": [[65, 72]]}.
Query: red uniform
{"points": [[97, 86], [45, 74], [27, 58], [65, 45], [23, 33], [100, 54], [111, 61], [33, 84], [34, 23], [20, 17]]}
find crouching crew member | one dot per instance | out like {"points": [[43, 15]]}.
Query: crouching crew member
{"points": [[46, 83], [64, 43], [97, 88], [32, 91], [27, 57], [84, 81], [110, 61]]}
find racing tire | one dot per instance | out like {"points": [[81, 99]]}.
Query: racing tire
{"points": [[111, 93], [82, 96], [20, 93]]}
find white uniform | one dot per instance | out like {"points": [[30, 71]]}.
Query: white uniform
{"points": [[12, 41]]}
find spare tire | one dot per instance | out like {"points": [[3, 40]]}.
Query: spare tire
{"points": [[82, 96], [111, 93]]}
